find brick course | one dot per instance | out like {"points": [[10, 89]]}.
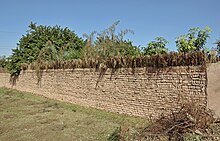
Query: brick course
{"points": [[146, 92]]}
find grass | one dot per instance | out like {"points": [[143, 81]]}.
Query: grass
{"points": [[24, 117]]}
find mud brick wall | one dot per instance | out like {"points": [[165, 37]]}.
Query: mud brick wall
{"points": [[145, 92]]}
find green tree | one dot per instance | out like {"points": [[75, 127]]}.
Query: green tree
{"points": [[195, 40], [158, 46], [46, 43], [48, 53], [109, 43]]}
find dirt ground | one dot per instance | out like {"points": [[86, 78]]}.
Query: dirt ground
{"points": [[213, 88]]}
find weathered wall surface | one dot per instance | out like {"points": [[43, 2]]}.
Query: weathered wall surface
{"points": [[213, 88], [146, 92], [4, 80]]}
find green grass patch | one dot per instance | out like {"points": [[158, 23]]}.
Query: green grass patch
{"points": [[24, 116]]}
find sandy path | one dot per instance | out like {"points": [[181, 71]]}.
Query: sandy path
{"points": [[213, 88]]}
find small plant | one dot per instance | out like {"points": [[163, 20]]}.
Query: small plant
{"points": [[192, 137], [115, 136]]}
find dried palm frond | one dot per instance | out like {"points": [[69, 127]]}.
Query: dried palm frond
{"points": [[156, 61]]}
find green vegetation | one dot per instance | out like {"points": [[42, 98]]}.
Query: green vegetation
{"points": [[27, 117], [2, 61], [195, 40], [156, 47], [49, 45], [3, 64], [45, 43], [108, 43], [218, 46], [24, 116]]}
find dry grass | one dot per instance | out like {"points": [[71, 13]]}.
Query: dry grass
{"points": [[26, 117], [195, 58], [157, 61], [192, 122]]}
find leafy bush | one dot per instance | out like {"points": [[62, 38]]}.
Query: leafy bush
{"points": [[195, 40], [45, 43], [156, 47], [108, 43]]}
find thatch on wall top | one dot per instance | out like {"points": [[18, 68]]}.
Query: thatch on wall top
{"points": [[156, 61]]}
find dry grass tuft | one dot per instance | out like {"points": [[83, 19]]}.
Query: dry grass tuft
{"points": [[156, 61]]}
